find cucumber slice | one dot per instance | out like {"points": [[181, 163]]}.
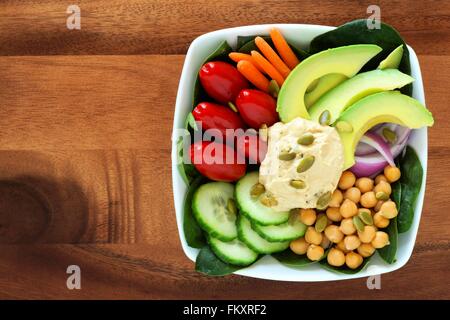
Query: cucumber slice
{"points": [[213, 207], [251, 207], [234, 252], [287, 231], [254, 241]]}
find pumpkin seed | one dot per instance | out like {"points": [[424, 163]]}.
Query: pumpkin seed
{"points": [[359, 225], [231, 206], [305, 163], [381, 196], [232, 106], [389, 135], [298, 184], [268, 201], [264, 132], [274, 88], [321, 223], [287, 155], [366, 217], [257, 190], [306, 139], [325, 118], [323, 200], [344, 126]]}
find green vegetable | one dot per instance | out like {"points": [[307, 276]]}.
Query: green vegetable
{"points": [[186, 170], [344, 269], [411, 182], [356, 32], [192, 231], [208, 263], [290, 259]]}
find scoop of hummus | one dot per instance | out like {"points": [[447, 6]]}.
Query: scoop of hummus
{"points": [[280, 175]]}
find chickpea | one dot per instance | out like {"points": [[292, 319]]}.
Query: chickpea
{"points": [[368, 234], [353, 194], [308, 216], [381, 240], [383, 186], [391, 173], [389, 210], [336, 257], [366, 250], [312, 236], [379, 221], [341, 246], [336, 199], [352, 242], [314, 252], [333, 214], [364, 184], [368, 200], [348, 209], [347, 180], [347, 227], [379, 178], [378, 205], [353, 260], [325, 243], [334, 234], [299, 246]]}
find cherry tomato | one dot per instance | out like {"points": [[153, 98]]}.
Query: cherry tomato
{"points": [[217, 161], [222, 81], [256, 108], [214, 116], [252, 147]]}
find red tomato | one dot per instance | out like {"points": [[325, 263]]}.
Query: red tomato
{"points": [[217, 161], [252, 147], [214, 116], [222, 81], [257, 108]]}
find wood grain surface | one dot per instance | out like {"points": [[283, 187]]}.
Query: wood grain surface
{"points": [[85, 126]]}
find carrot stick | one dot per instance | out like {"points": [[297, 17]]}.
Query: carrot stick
{"points": [[268, 67], [272, 56], [284, 49], [249, 71], [238, 56]]}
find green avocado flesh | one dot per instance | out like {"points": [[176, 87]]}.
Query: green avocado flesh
{"points": [[347, 60], [393, 60], [356, 88], [323, 85], [389, 106]]}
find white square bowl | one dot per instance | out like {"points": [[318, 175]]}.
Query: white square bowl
{"points": [[299, 35]]}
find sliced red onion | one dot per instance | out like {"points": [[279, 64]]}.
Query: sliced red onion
{"points": [[402, 133], [378, 143]]}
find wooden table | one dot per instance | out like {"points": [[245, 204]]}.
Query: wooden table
{"points": [[85, 126]]}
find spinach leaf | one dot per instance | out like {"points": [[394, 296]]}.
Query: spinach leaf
{"points": [[208, 263], [290, 259], [249, 46], [186, 170], [356, 32], [192, 231], [411, 182], [345, 269]]}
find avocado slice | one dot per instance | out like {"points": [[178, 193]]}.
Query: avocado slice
{"points": [[323, 85], [347, 60], [388, 106], [356, 88], [393, 60]]}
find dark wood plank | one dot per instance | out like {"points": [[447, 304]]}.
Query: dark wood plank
{"points": [[34, 27]]}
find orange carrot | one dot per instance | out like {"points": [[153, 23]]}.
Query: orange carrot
{"points": [[238, 56], [284, 49], [268, 68], [249, 71], [272, 56]]}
